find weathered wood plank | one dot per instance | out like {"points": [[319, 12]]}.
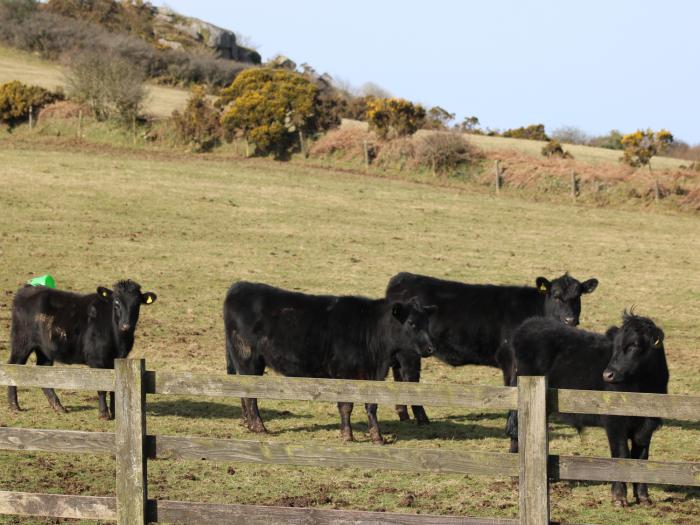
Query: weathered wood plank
{"points": [[58, 506], [305, 454], [71, 441], [625, 404], [332, 390], [61, 377], [533, 487], [130, 438], [180, 512], [635, 470]]}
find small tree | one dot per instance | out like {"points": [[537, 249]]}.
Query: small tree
{"points": [[641, 146], [394, 117], [553, 148], [469, 124], [199, 124], [438, 118], [110, 86], [269, 107], [16, 100], [444, 152]]}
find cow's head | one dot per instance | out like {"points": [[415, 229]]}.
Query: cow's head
{"points": [[126, 299], [413, 318], [563, 297], [638, 350]]}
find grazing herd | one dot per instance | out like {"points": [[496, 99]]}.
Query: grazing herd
{"points": [[522, 330]]}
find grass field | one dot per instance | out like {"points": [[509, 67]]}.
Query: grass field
{"points": [[187, 228]]}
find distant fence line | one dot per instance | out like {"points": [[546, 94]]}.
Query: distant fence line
{"points": [[132, 447]]}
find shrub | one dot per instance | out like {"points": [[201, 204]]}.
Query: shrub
{"points": [[269, 107], [345, 144], [356, 108], [612, 140], [397, 153], [394, 117], [641, 146], [444, 152], [438, 118], [16, 99], [553, 148], [199, 125], [532, 132], [571, 135], [110, 86]]}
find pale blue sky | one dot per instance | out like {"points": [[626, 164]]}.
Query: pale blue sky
{"points": [[596, 65]]}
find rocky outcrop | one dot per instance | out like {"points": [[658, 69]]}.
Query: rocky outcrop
{"points": [[176, 31]]}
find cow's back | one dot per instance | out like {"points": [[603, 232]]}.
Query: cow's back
{"points": [[472, 320]]}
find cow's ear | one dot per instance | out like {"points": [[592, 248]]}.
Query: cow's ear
{"points": [[148, 298], [543, 285], [657, 339], [589, 286], [431, 309], [611, 332], [104, 292], [400, 311]]}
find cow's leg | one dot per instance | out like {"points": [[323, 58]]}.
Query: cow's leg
{"points": [[18, 356], [111, 405], [374, 433], [253, 366], [619, 448], [401, 410], [504, 358], [345, 410], [409, 366], [641, 491], [512, 430], [102, 402], [42, 360]]}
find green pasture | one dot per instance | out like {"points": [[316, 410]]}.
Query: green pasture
{"points": [[187, 227]]}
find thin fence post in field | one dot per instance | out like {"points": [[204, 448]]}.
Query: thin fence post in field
{"points": [[366, 150], [131, 487], [533, 450], [31, 117], [80, 124], [574, 185], [498, 176]]}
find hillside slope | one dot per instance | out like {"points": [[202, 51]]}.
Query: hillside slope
{"points": [[25, 67]]}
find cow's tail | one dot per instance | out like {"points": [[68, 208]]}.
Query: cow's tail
{"points": [[230, 367]]}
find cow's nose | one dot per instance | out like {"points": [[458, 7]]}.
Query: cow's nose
{"points": [[609, 376], [125, 327], [571, 321]]}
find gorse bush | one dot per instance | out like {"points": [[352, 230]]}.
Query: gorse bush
{"points": [[394, 117], [110, 86], [553, 148], [16, 99], [269, 107], [641, 146], [532, 132], [199, 125]]}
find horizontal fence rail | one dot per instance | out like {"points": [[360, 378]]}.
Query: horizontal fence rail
{"points": [[132, 382]]}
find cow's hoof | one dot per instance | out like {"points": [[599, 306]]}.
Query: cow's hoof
{"points": [[258, 428], [347, 437], [621, 503], [60, 409], [15, 408], [104, 416], [376, 437], [644, 500]]}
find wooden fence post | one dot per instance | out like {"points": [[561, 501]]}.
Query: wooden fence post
{"points": [[498, 177], [366, 151], [130, 392], [534, 450], [31, 117], [80, 124], [574, 185]]}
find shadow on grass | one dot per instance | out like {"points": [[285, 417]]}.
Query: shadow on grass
{"points": [[209, 410], [689, 493], [685, 425]]}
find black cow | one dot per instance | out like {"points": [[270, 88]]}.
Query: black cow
{"points": [[474, 321], [92, 329], [302, 335], [626, 359]]}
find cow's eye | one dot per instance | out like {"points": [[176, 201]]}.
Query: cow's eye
{"points": [[411, 324]]}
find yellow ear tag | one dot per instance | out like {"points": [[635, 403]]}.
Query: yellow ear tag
{"points": [[104, 294], [149, 299], [657, 343], [543, 288]]}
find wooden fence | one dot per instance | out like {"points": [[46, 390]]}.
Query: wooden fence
{"points": [[132, 447]]}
